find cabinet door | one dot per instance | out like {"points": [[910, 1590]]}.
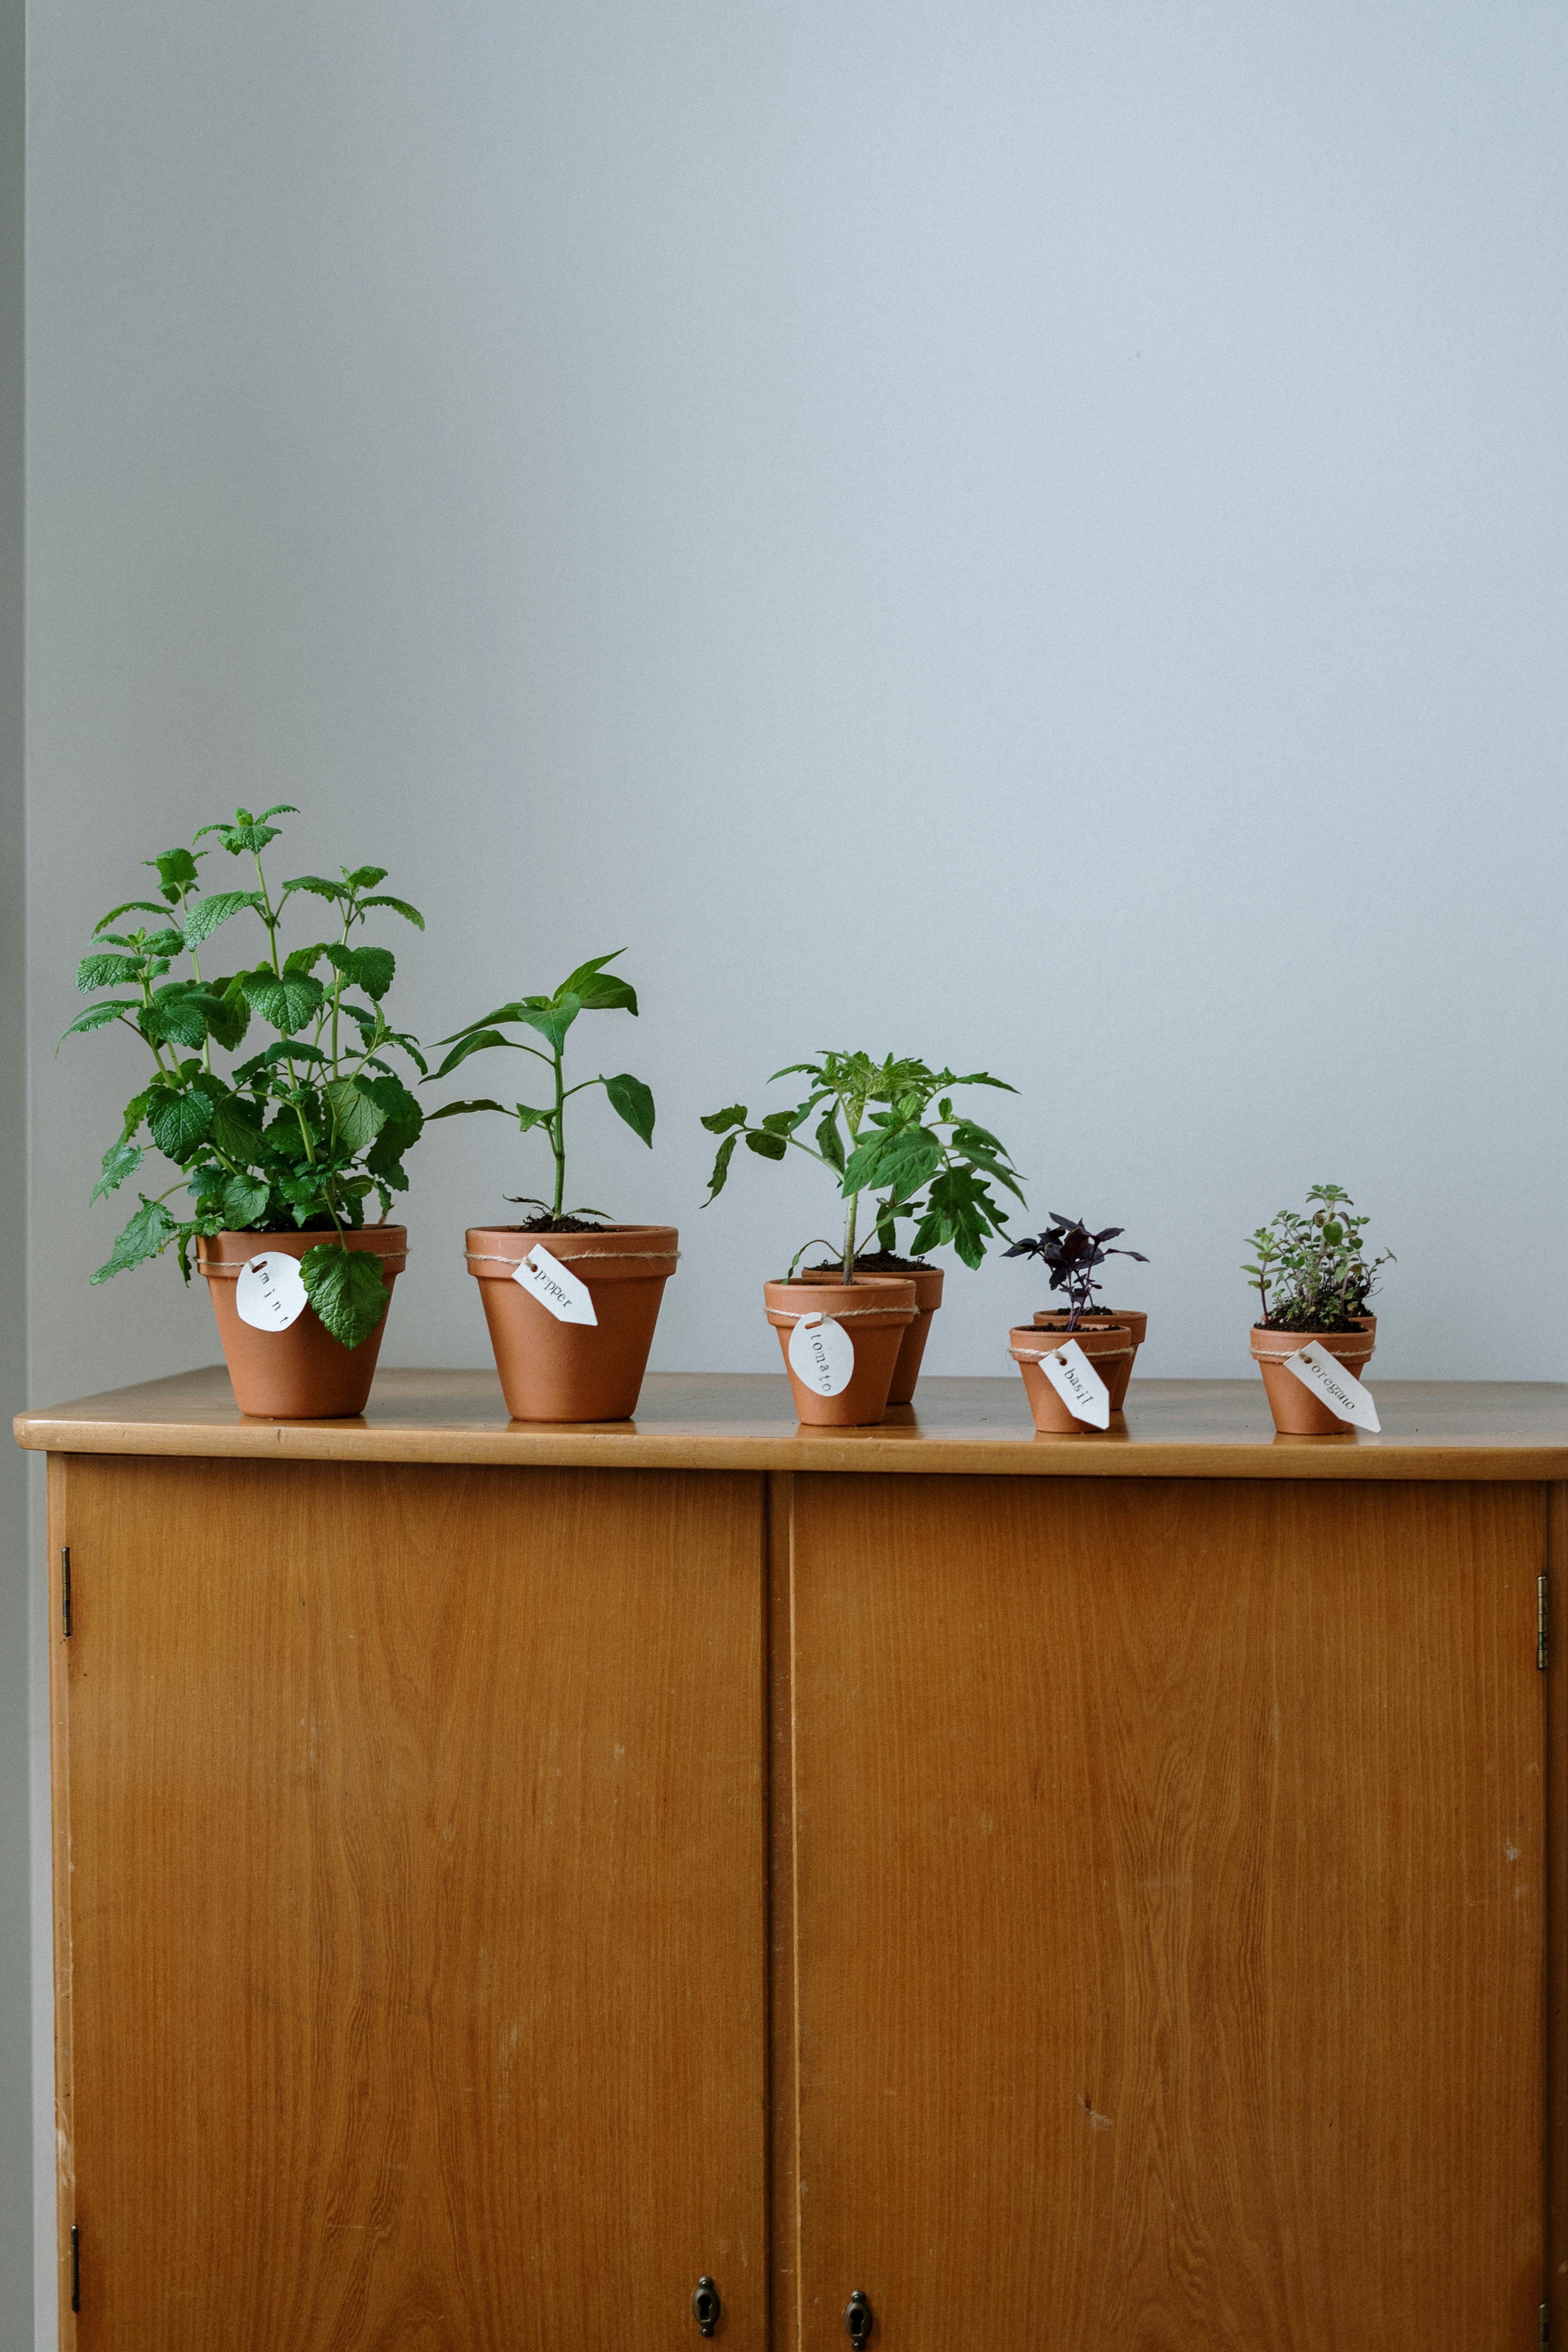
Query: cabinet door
{"points": [[1168, 1899], [417, 1912]]}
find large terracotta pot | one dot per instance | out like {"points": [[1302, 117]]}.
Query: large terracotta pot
{"points": [[1133, 1321], [573, 1371], [1297, 1412], [875, 1310], [928, 1281], [302, 1373], [1104, 1344]]}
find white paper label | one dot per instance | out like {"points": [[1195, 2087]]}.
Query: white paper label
{"points": [[1078, 1385], [822, 1354], [269, 1293], [1327, 1378], [556, 1287]]}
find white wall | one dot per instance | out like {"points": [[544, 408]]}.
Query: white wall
{"points": [[1032, 535]]}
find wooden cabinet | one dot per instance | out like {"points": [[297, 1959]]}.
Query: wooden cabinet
{"points": [[1101, 1894]]}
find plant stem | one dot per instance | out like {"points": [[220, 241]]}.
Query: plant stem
{"points": [[557, 1134], [849, 1237]]}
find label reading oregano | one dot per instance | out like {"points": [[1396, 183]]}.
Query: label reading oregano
{"points": [[1328, 1379]]}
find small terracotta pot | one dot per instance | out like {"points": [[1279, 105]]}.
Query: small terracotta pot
{"points": [[302, 1373], [1297, 1412], [1133, 1321], [928, 1281], [573, 1371], [877, 1330], [1102, 1343]]}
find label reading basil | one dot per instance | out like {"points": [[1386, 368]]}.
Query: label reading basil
{"points": [[1078, 1385]]}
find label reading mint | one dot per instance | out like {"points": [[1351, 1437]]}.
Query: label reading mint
{"points": [[556, 1287], [822, 1354], [1078, 1385], [1340, 1391], [269, 1292]]}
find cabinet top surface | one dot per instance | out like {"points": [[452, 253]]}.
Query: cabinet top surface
{"points": [[716, 1421]]}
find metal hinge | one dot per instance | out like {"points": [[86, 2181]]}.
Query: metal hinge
{"points": [[66, 1589], [76, 2269], [1541, 1623]]}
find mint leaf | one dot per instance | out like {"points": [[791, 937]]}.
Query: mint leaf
{"points": [[286, 1003], [346, 1289], [357, 1118], [244, 1203], [178, 1122], [399, 906], [202, 919], [371, 969], [121, 1159], [96, 1016], [107, 971], [150, 1230]]}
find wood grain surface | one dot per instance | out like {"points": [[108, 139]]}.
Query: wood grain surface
{"points": [[418, 1917], [1205, 1429], [1168, 1892]]}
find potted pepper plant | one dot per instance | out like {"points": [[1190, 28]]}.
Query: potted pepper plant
{"points": [[570, 1296], [1314, 1279], [1110, 1339], [282, 1154], [887, 1129]]}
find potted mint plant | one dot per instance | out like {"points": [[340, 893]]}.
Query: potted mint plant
{"points": [[570, 1297], [887, 1135], [281, 1154], [1314, 1280]]}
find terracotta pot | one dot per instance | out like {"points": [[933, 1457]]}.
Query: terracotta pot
{"points": [[928, 1282], [1103, 1344], [1133, 1321], [1297, 1412], [302, 1373], [573, 1371], [877, 1332]]}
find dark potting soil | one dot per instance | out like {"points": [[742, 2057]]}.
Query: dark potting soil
{"points": [[1333, 1330], [545, 1224], [883, 1262]]}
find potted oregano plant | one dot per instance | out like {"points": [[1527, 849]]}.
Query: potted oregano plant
{"points": [[887, 1133], [1072, 1254], [570, 1297], [282, 1154], [1314, 1279]]}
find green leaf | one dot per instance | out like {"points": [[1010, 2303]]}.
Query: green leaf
{"points": [[399, 906], [177, 870], [279, 808], [829, 1142], [364, 877], [130, 907], [316, 884], [150, 1230], [175, 1016], [346, 1289], [166, 943], [287, 1005], [553, 1020], [634, 1103], [357, 1118], [244, 1202], [528, 1118], [599, 990], [96, 1016], [477, 1041], [178, 1122], [107, 971], [236, 1127], [898, 1162], [458, 1109], [228, 1014], [721, 1168], [404, 1123], [202, 919], [371, 969], [717, 1120], [765, 1146], [121, 1159], [300, 959]]}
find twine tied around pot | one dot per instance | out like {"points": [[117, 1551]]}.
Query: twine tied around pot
{"points": [[576, 1257], [1039, 1355], [1283, 1355], [231, 1268], [836, 1314]]}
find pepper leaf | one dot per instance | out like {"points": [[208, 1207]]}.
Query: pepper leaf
{"points": [[635, 1103]]}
